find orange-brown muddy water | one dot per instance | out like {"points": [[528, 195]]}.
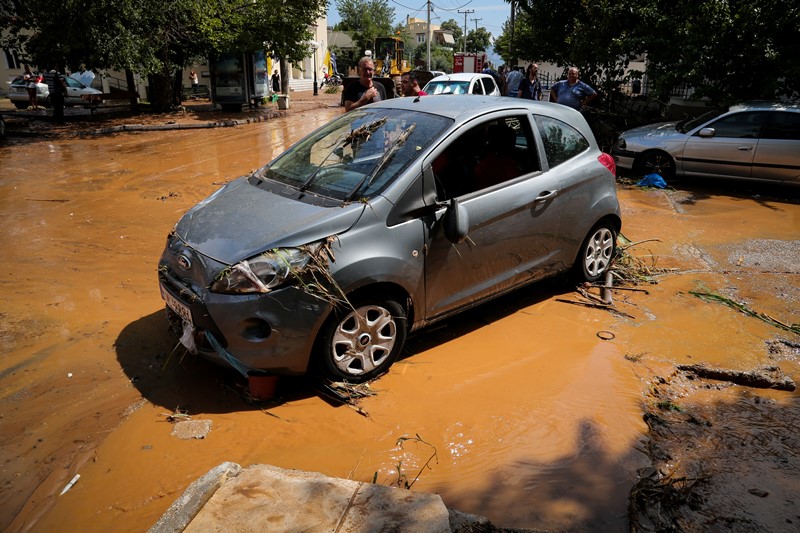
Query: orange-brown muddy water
{"points": [[535, 420]]}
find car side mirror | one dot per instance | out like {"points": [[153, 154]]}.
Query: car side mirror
{"points": [[456, 222], [706, 132]]}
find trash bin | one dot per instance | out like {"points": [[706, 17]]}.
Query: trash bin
{"points": [[283, 101]]}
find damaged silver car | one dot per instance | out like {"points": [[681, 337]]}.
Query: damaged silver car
{"points": [[388, 219]]}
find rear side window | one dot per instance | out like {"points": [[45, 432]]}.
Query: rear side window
{"points": [[561, 141], [489, 85], [782, 125]]}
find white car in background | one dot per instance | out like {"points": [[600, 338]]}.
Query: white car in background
{"points": [[18, 94], [463, 83]]}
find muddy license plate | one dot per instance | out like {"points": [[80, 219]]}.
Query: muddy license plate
{"points": [[176, 305]]}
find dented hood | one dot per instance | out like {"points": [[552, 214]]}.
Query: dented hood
{"points": [[240, 220]]}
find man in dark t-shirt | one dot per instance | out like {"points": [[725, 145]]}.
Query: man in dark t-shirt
{"points": [[365, 91]]}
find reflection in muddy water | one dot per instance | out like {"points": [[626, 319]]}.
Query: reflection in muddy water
{"points": [[516, 410]]}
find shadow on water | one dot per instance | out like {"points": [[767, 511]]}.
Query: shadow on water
{"points": [[585, 489], [167, 375]]}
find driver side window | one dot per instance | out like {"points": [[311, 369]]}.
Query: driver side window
{"points": [[484, 156]]}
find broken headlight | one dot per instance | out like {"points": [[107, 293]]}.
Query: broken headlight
{"points": [[262, 273]]}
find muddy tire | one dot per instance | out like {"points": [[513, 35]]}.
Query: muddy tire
{"points": [[657, 162], [596, 253], [359, 345]]}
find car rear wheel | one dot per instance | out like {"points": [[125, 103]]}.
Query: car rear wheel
{"points": [[596, 252], [657, 162], [360, 343]]}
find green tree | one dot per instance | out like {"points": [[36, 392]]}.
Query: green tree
{"points": [[728, 51], [458, 33], [365, 20], [478, 40], [725, 50], [155, 38]]}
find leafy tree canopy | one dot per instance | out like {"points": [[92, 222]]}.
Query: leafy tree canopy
{"points": [[153, 37], [365, 20], [726, 50], [478, 40]]}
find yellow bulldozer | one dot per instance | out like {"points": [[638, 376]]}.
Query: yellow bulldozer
{"points": [[389, 57], [390, 63]]}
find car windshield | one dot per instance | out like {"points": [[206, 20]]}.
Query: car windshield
{"points": [[356, 155], [688, 125], [447, 87]]}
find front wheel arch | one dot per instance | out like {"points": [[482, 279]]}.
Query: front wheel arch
{"points": [[656, 162], [360, 349]]}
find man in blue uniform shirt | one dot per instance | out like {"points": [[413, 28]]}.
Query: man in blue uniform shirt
{"points": [[573, 92]]}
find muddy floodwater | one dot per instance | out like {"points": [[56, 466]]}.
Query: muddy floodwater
{"points": [[528, 410]]}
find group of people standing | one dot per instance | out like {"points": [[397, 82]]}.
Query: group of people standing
{"points": [[571, 92], [366, 91], [57, 89]]}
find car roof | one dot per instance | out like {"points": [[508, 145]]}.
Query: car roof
{"points": [[459, 76], [765, 105], [463, 107]]}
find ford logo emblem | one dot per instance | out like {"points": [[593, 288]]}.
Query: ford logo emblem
{"points": [[184, 262]]}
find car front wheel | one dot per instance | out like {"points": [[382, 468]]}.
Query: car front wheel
{"points": [[596, 252], [362, 342], [657, 162]]}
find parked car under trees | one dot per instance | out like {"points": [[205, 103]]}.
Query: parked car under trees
{"points": [[748, 141]]}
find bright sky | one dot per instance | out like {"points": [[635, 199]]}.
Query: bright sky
{"points": [[491, 14]]}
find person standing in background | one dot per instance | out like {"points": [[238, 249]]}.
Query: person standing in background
{"points": [[365, 91], [58, 91], [276, 82], [409, 85], [195, 80], [513, 79], [30, 85], [530, 87], [573, 92]]}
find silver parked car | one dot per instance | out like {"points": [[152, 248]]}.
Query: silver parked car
{"points": [[463, 83], [752, 140], [391, 217]]}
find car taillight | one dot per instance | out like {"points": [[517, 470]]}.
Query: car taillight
{"points": [[39, 78], [607, 161]]}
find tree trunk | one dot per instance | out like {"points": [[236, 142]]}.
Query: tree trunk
{"points": [[162, 92], [284, 76], [134, 101]]}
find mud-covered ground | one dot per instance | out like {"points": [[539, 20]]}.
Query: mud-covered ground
{"points": [[538, 413]]}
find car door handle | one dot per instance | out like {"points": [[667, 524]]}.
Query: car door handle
{"points": [[546, 195], [745, 148]]}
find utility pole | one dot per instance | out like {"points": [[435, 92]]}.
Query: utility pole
{"points": [[476, 23], [428, 35], [511, 41], [468, 11]]}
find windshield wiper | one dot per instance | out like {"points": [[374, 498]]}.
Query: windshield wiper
{"points": [[362, 132], [367, 179]]}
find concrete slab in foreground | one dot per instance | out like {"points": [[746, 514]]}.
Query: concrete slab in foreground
{"points": [[268, 498]]}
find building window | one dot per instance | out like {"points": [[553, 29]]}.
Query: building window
{"points": [[12, 61]]}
